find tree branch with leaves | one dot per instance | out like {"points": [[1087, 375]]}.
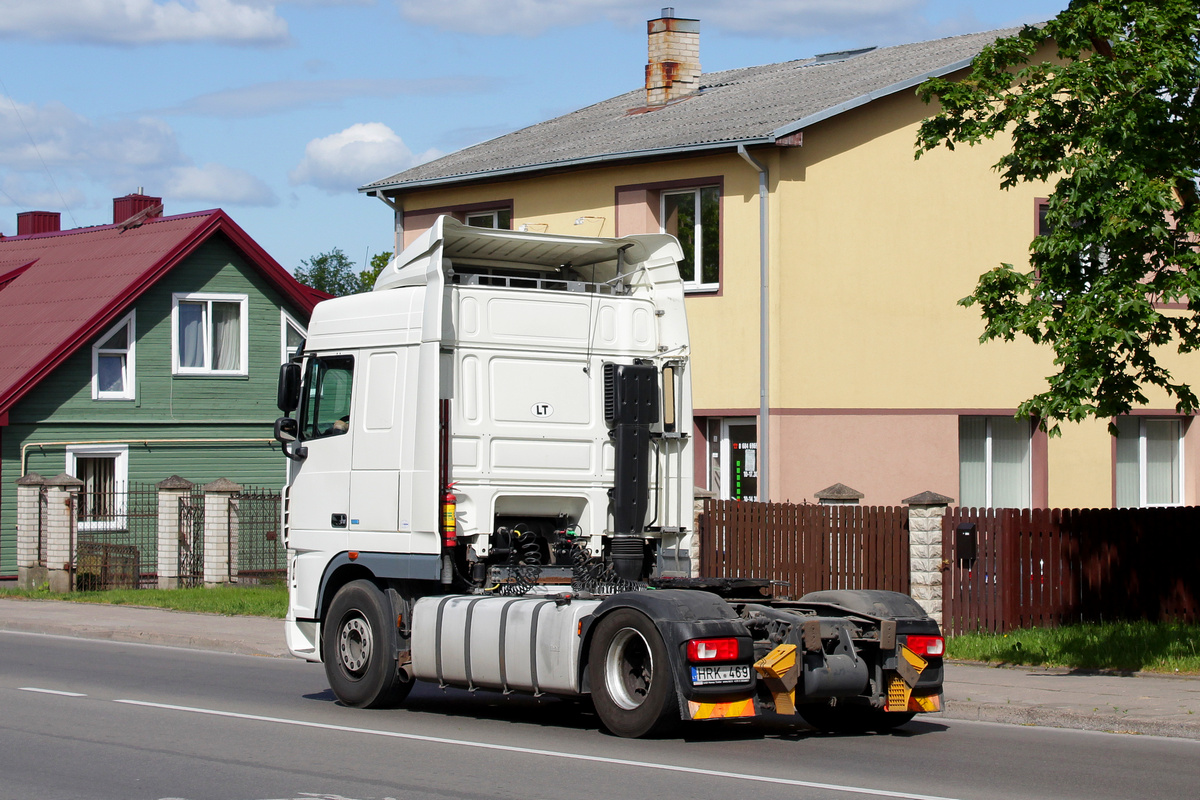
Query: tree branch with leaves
{"points": [[1112, 122]]}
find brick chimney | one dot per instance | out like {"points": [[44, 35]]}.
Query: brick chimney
{"points": [[673, 70], [29, 222], [132, 204]]}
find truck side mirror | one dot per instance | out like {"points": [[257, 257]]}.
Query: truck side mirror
{"points": [[288, 393], [287, 431]]}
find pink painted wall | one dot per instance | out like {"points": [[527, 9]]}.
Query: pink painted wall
{"points": [[887, 457]]}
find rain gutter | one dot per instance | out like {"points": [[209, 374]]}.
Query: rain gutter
{"points": [[764, 331]]}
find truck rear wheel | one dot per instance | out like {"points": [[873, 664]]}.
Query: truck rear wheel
{"points": [[359, 638], [630, 675]]}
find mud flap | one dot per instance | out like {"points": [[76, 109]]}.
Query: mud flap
{"points": [[909, 667]]}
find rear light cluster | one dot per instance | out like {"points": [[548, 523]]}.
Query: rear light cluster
{"points": [[702, 651], [927, 645]]}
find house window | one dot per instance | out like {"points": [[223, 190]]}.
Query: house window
{"points": [[113, 362], [209, 334], [1149, 462], [326, 409], [694, 217], [733, 458], [104, 470], [500, 218], [292, 336], [994, 463]]}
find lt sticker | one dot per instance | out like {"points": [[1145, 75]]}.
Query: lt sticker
{"points": [[542, 409]]}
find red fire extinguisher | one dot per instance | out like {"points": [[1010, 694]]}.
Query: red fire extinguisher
{"points": [[449, 520]]}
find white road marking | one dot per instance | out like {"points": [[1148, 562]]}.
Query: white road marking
{"points": [[709, 773], [49, 691]]}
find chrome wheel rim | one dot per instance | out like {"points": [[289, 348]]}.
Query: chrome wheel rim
{"points": [[354, 645], [628, 669]]}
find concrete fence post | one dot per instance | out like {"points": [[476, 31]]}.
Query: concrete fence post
{"points": [[925, 512], [170, 492], [62, 517], [220, 532], [31, 569]]}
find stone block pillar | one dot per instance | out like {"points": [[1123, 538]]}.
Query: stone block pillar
{"points": [[31, 567], [925, 512], [220, 532], [62, 516], [170, 492]]}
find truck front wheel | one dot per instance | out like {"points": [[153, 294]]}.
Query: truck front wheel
{"points": [[359, 638], [630, 675]]}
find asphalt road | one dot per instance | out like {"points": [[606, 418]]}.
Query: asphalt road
{"points": [[84, 719]]}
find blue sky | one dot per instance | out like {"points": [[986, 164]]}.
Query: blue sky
{"points": [[278, 111]]}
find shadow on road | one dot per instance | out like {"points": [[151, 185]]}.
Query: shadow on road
{"points": [[556, 712]]}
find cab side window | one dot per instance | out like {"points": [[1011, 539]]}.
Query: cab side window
{"points": [[326, 409]]}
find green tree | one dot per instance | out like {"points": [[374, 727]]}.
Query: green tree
{"points": [[330, 272], [366, 278], [1114, 123]]}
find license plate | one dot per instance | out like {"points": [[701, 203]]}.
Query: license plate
{"points": [[734, 673]]}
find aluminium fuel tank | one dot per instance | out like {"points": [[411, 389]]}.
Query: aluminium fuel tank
{"points": [[527, 644]]}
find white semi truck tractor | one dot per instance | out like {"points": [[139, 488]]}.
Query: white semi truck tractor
{"points": [[491, 486]]}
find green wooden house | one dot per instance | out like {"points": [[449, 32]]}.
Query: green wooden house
{"points": [[139, 350]]}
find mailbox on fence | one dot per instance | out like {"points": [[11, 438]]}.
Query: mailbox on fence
{"points": [[965, 539]]}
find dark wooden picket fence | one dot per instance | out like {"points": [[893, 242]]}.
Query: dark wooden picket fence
{"points": [[1050, 567], [805, 548]]}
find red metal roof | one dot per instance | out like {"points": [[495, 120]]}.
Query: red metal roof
{"points": [[59, 290]]}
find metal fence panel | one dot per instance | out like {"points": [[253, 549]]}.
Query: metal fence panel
{"points": [[117, 547], [257, 517]]}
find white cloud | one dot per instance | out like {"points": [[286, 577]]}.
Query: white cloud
{"points": [[219, 184], [47, 150], [134, 22], [261, 99], [55, 136], [341, 162]]}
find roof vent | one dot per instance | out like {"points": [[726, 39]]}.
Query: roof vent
{"points": [[673, 68], [841, 55], [30, 222], [133, 204]]}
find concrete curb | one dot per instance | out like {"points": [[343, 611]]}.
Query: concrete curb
{"points": [[1017, 714]]}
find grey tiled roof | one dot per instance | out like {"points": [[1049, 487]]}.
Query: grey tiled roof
{"points": [[750, 105]]}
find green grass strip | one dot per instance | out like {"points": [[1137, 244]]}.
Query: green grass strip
{"points": [[1124, 646], [248, 601]]}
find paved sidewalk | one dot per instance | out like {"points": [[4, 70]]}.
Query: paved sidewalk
{"points": [[1145, 704]]}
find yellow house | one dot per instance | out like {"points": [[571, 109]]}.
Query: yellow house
{"points": [[824, 268]]}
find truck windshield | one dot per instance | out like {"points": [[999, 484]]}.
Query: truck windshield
{"points": [[327, 397]]}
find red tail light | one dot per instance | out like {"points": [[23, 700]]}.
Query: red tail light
{"points": [[703, 650], [927, 645]]}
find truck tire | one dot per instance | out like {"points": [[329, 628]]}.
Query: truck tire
{"points": [[633, 689], [852, 719], [359, 637]]}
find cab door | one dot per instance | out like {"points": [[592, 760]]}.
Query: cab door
{"points": [[319, 498]]}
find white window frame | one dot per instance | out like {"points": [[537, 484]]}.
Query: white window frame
{"points": [[118, 452], [1143, 472], [696, 284], [244, 330], [128, 372], [493, 214], [989, 463], [286, 320]]}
